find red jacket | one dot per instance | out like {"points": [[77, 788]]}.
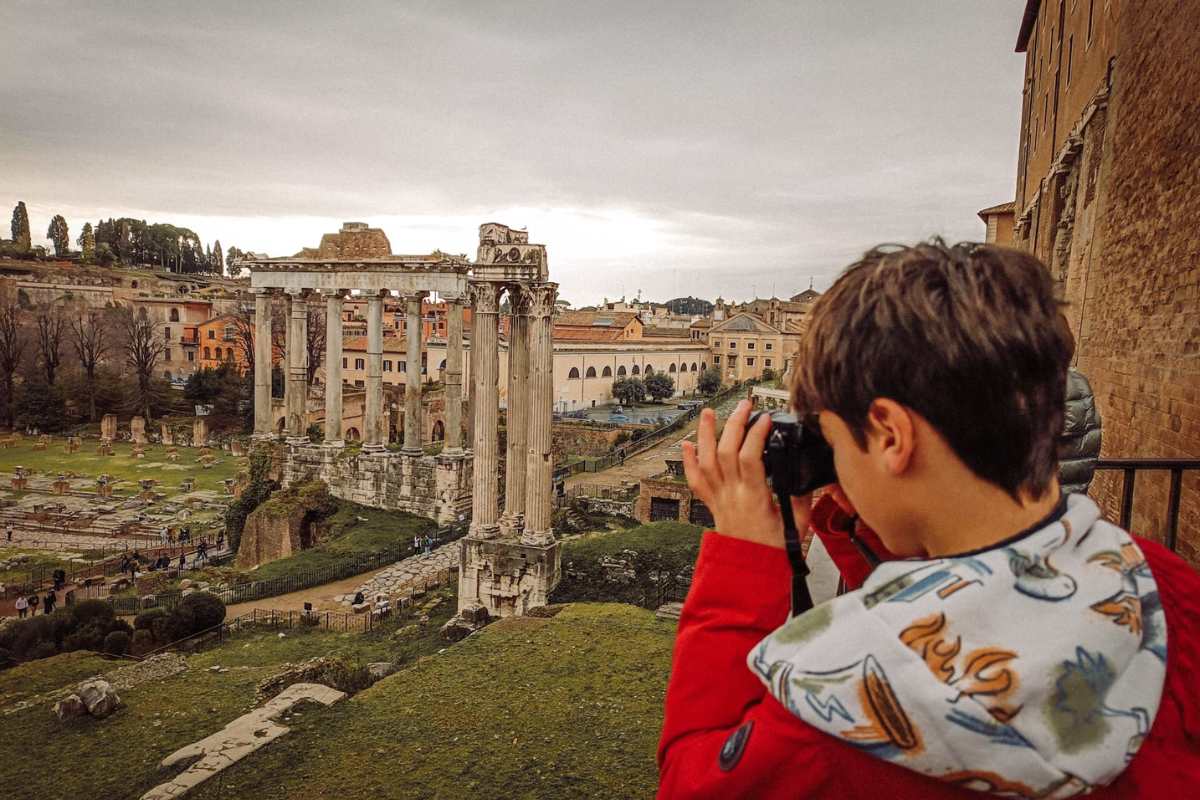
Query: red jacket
{"points": [[740, 594]]}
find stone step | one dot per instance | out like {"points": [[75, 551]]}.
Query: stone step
{"points": [[669, 611]]}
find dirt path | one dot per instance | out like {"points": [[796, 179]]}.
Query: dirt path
{"points": [[323, 598]]}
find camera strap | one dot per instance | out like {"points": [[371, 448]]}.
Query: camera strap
{"points": [[801, 599]]}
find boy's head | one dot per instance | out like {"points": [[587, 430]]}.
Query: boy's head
{"points": [[933, 367]]}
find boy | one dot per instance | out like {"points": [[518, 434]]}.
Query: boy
{"points": [[1019, 644]]}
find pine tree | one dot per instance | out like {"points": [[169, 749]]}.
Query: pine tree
{"points": [[20, 228], [87, 243], [217, 264], [59, 235]]}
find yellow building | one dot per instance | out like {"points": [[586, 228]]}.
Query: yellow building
{"points": [[743, 346]]}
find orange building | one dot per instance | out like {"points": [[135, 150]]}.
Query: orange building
{"points": [[218, 343]]}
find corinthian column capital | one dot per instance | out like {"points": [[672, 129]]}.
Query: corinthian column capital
{"points": [[485, 298], [541, 298]]}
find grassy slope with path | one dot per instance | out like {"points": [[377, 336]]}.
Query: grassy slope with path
{"points": [[564, 707], [118, 757]]}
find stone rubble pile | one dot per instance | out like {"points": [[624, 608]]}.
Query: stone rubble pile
{"points": [[414, 570]]}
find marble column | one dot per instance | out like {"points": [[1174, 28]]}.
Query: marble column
{"points": [[373, 424], [333, 367], [453, 376], [412, 375], [485, 347], [518, 412], [297, 373], [539, 465], [263, 357]]}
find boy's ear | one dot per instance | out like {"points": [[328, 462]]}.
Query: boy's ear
{"points": [[891, 427]]}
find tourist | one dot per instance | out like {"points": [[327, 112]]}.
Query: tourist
{"points": [[221, 541], [1019, 647], [33, 605], [416, 544], [164, 536], [182, 561], [60, 578], [8, 531], [48, 604], [22, 606]]}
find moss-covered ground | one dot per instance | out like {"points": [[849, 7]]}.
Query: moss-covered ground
{"points": [[39, 560]]}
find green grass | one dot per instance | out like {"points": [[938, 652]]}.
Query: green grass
{"points": [[38, 560], [670, 547], [564, 707], [118, 757], [674, 540], [86, 462], [46, 675]]}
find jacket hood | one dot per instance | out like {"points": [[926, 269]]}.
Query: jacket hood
{"points": [[1031, 669]]}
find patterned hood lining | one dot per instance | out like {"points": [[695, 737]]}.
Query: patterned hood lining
{"points": [[1031, 670]]}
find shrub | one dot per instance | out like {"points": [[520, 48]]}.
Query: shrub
{"points": [[116, 643], [143, 641], [257, 491], [41, 650], [151, 621], [709, 382], [88, 611], [660, 386], [206, 609]]}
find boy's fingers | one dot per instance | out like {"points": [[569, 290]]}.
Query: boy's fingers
{"points": [[695, 477], [706, 446], [752, 468], [731, 440]]}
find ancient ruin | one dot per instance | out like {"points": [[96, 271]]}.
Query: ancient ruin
{"points": [[509, 562]]}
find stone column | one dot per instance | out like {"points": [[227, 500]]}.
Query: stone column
{"points": [[333, 367], [373, 424], [539, 466], [454, 365], [412, 375], [518, 412], [487, 399], [297, 374], [263, 357]]}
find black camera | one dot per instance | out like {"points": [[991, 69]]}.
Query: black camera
{"points": [[796, 456]]}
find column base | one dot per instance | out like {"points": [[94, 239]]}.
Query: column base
{"points": [[491, 531], [512, 524], [373, 449], [454, 452], [537, 538], [298, 440], [337, 444], [414, 452], [264, 437]]}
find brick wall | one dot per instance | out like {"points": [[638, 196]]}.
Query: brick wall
{"points": [[1140, 299]]}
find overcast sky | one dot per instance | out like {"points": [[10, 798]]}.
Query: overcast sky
{"points": [[673, 147]]}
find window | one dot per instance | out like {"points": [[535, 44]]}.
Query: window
{"points": [[621, 372], [387, 366], [167, 333], [749, 345], [716, 342], [716, 359], [768, 346], [442, 365], [750, 361], [672, 367], [207, 354], [403, 366], [649, 370], [167, 354], [229, 333], [211, 333], [766, 362], [733, 345], [607, 373], [1091, 15], [591, 372], [573, 374], [174, 315], [191, 355], [1070, 57], [359, 363], [636, 370], [343, 363], [693, 366], [359, 384], [229, 353]]}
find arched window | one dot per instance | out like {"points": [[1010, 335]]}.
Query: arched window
{"points": [[573, 374], [693, 366], [442, 366], [672, 367], [174, 315], [229, 354], [591, 372], [607, 373], [621, 371], [207, 353], [649, 370], [439, 431], [637, 370]]}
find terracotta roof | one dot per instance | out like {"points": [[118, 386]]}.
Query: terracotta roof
{"points": [[391, 344], [703, 322], [575, 333], [651, 331], [595, 319], [807, 296], [1003, 208]]}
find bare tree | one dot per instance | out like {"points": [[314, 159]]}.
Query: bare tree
{"points": [[91, 342], [142, 348], [12, 350], [316, 341], [51, 325], [243, 322]]}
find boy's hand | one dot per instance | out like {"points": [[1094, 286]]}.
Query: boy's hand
{"points": [[729, 478]]}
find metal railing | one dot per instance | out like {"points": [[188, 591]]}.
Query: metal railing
{"points": [[1130, 467]]}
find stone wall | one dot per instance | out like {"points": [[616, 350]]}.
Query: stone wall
{"points": [[354, 240], [271, 533], [506, 576], [665, 488], [1136, 300], [438, 487], [585, 439]]}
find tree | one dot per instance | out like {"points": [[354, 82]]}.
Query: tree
{"points": [[768, 375], [90, 342], [51, 325], [12, 352], [87, 243], [316, 342], [629, 391], [142, 347], [20, 228], [217, 264], [232, 261], [660, 386], [709, 382], [59, 235]]}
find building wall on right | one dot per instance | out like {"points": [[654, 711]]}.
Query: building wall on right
{"points": [[1113, 212]]}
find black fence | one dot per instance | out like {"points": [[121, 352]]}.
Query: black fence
{"points": [[1131, 466], [271, 587]]}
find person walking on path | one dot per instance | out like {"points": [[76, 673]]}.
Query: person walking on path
{"points": [[8, 531], [22, 606], [33, 605], [49, 602], [182, 561]]}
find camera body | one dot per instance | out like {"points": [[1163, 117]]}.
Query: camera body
{"points": [[796, 457]]}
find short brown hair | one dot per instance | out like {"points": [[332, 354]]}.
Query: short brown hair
{"points": [[967, 336]]}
